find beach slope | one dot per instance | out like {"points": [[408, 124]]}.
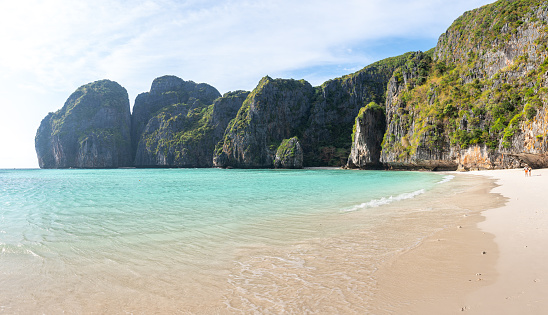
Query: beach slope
{"points": [[492, 261], [521, 234]]}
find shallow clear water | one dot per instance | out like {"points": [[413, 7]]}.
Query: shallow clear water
{"points": [[194, 240]]}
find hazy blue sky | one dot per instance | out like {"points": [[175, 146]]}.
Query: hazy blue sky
{"points": [[51, 47]]}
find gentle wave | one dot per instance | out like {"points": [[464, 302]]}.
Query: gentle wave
{"points": [[384, 201], [128, 230], [446, 179]]}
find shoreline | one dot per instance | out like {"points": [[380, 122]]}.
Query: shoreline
{"points": [[491, 262], [435, 276], [440, 252], [521, 232]]}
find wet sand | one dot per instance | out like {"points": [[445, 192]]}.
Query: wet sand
{"points": [[420, 256], [491, 262]]}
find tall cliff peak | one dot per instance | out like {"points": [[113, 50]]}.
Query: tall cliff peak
{"points": [[178, 123], [321, 117], [168, 91], [482, 103], [477, 100], [166, 83], [271, 112], [91, 130], [492, 37]]}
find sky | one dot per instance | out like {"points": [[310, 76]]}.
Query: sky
{"points": [[49, 48]]}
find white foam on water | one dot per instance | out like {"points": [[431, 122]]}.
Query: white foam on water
{"points": [[32, 253], [446, 179], [384, 201]]}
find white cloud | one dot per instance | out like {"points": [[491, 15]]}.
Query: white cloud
{"points": [[63, 42], [49, 48]]}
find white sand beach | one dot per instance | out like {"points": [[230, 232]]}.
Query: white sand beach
{"points": [[521, 233], [492, 262]]}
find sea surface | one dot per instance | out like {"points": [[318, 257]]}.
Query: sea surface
{"points": [[203, 241]]}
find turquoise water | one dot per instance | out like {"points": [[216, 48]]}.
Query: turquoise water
{"points": [[157, 234]]}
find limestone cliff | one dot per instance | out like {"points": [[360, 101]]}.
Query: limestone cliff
{"points": [[321, 117], [327, 137], [272, 112], [289, 154], [185, 134], [476, 101], [92, 130], [165, 92], [412, 141], [367, 138]]}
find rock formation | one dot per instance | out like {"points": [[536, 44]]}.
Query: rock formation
{"points": [[321, 117], [178, 137], [476, 101], [367, 138], [411, 142], [289, 154], [272, 112], [327, 137], [163, 118], [92, 130]]}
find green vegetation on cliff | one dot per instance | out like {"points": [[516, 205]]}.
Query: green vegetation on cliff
{"points": [[178, 127], [285, 150], [477, 90], [357, 89], [445, 108], [86, 101], [91, 130], [490, 27], [369, 107], [322, 117]]}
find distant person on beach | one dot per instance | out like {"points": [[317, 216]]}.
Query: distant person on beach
{"points": [[526, 169], [530, 169]]}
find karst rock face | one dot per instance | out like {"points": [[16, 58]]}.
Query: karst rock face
{"points": [[164, 92], [92, 130], [272, 112], [178, 123], [321, 117], [478, 100], [185, 134], [369, 130], [289, 154]]}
